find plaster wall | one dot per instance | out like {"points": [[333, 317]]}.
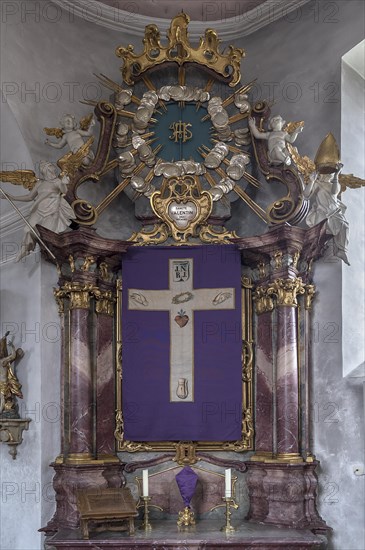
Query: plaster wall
{"points": [[353, 284], [298, 65]]}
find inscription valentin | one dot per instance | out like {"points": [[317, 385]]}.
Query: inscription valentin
{"points": [[182, 214]]}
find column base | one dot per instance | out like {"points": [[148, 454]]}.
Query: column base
{"points": [[279, 458], [284, 494], [72, 477]]}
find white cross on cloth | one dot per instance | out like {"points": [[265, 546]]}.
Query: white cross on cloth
{"points": [[181, 299]]}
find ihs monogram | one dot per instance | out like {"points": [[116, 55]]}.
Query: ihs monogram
{"points": [[180, 131]]}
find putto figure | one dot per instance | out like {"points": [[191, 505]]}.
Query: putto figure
{"points": [[73, 136], [277, 138]]}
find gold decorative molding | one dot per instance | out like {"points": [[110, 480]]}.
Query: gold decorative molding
{"points": [[281, 292], [11, 432], [180, 51], [185, 450], [185, 453], [78, 293], [263, 300], [296, 257], [71, 261], [210, 235], [280, 458], [278, 259], [286, 291], [79, 458], [59, 296], [88, 261], [105, 274], [157, 235], [104, 302], [182, 206], [310, 291], [186, 518]]}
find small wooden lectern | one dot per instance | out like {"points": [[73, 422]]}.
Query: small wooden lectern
{"points": [[109, 507]]}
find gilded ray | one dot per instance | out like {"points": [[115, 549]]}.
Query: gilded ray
{"points": [[213, 183], [151, 87], [230, 99], [242, 90], [207, 88], [232, 148], [118, 189], [237, 117]]}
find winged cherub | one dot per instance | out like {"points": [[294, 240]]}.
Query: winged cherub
{"points": [[73, 136], [277, 137]]}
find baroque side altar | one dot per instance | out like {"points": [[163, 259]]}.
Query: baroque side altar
{"points": [[185, 347]]}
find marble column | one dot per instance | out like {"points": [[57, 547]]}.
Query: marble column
{"points": [[287, 368], [264, 385], [105, 376], [88, 266], [281, 479], [80, 393]]}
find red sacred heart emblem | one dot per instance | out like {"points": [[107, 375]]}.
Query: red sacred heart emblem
{"points": [[181, 319]]}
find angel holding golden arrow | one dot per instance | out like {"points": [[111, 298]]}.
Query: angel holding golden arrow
{"points": [[50, 208]]}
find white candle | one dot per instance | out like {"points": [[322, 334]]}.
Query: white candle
{"points": [[145, 483], [228, 491]]}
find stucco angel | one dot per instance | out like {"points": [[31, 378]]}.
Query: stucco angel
{"points": [[277, 137], [323, 189], [71, 135], [50, 208]]}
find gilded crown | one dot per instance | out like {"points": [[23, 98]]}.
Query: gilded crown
{"points": [[179, 50]]}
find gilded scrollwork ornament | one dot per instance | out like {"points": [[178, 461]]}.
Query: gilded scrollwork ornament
{"points": [[263, 299], [310, 291], [104, 302], [180, 51], [78, 293]]}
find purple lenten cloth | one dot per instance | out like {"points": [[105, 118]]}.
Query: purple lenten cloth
{"points": [[186, 480]]}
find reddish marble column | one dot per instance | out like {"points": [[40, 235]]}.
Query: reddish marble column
{"points": [[80, 425], [105, 386], [287, 388], [87, 265], [264, 384]]}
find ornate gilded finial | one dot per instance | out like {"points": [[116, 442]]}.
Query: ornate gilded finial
{"points": [[328, 155], [180, 51]]}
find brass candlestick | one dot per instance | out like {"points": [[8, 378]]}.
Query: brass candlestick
{"points": [[146, 524], [228, 528]]}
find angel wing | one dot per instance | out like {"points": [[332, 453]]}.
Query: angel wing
{"points": [[71, 162], [26, 178], [85, 121], [304, 164], [291, 126], [350, 181], [57, 132]]}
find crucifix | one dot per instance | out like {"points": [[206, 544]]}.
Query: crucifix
{"points": [[181, 299]]}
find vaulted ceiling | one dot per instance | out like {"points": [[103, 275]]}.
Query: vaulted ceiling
{"points": [[198, 11]]}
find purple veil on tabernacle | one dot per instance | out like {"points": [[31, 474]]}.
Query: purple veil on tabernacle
{"points": [[186, 480]]}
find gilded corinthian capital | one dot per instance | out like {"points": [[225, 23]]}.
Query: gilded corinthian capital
{"points": [[281, 292], [286, 291]]}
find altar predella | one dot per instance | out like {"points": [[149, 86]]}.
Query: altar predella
{"points": [[174, 367]]}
